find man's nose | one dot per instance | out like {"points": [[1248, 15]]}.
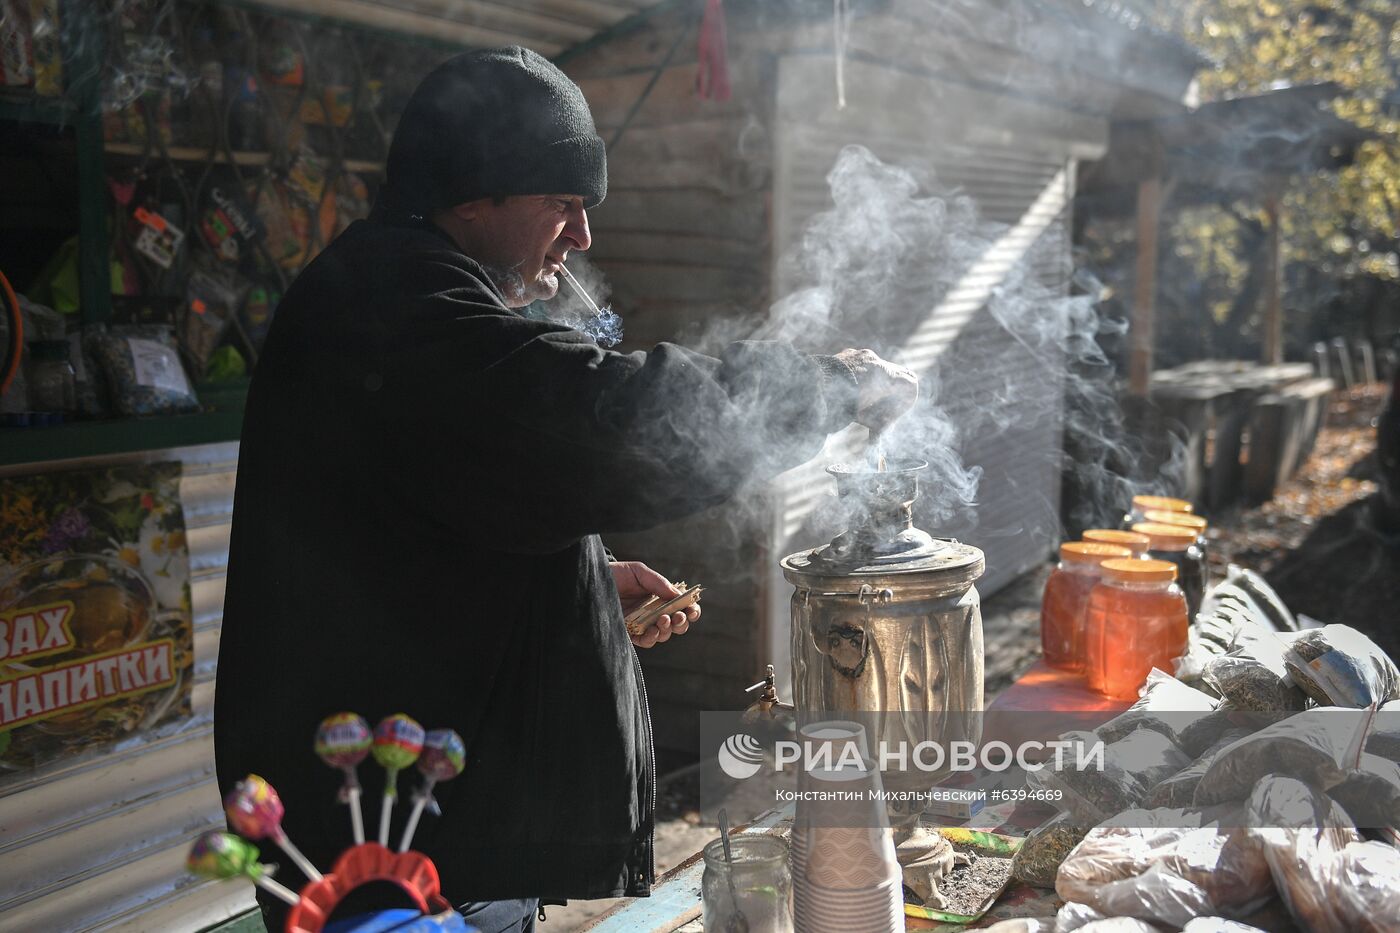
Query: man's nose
{"points": [[576, 229]]}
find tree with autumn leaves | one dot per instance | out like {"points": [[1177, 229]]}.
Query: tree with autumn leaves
{"points": [[1341, 230]]}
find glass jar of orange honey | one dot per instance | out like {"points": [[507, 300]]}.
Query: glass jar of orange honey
{"points": [[1144, 504], [1136, 620], [1066, 598], [1131, 540]]}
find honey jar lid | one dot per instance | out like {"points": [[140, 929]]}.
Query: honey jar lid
{"points": [[1184, 519], [1166, 537], [1133, 570], [1092, 552], [1163, 503], [1127, 539]]}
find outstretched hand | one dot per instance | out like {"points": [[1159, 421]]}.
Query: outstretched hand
{"points": [[636, 583]]}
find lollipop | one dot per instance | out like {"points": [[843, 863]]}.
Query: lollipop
{"points": [[224, 855], [254, 810], [343, 741], [444, 756], [397, 742]]}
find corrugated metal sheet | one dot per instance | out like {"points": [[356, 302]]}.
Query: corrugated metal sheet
{"points": [[1020, 179], [99, 844]]}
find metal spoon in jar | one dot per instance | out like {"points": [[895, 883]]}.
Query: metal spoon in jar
{"points": [[737, 923]]}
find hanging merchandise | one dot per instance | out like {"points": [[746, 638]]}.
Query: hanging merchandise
{"points": [[211, 302], [48, 57], [240, 87], [16, 51], [226, 364], [229, 225], [257, 312], [158, 240], [712, 75], [288, 225]]}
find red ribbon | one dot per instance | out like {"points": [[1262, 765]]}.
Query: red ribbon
{"points": [[712, 77]]}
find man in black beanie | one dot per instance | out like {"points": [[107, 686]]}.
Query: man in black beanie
{"points": [[423, 478]]}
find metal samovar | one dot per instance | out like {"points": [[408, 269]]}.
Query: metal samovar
{"points": [[886, 620]]}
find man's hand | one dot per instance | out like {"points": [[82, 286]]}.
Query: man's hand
{"points": [[887, 390], [636, 583]]}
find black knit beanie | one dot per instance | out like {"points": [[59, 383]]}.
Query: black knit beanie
{"points": [[491, 123]]}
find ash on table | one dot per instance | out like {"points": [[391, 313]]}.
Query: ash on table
{"points": [[969, 889]]}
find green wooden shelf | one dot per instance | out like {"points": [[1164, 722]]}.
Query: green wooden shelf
{"points": [[102, 438], [31, 108]]}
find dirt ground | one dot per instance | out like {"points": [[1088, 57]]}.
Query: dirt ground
{"points": [[1314, 542]]}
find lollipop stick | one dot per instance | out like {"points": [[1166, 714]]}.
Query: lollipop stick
{"points": [[274, 887], [418, 804], [357, 819], [294, 853], [384, 811]]}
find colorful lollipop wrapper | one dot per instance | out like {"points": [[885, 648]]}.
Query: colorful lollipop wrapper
{"points": [[398, 740], [343, 740], [223, 855], [444, 755], [254, 809]]}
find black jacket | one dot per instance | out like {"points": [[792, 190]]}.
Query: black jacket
{"points": [[422, 480]]}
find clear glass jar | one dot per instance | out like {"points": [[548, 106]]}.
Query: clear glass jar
{"points": [[1066, 598], [761, 888], [51, 381], [1136, 620]]}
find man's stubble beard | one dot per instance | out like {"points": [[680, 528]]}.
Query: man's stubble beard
{"points": [[519, 293]]}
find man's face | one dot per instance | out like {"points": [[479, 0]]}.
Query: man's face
{"points": [[524, 240]]}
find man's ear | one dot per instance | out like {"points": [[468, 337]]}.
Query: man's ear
{"points": [[468, 211]]}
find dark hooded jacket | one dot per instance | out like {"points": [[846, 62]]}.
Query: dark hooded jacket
{"points": [[422, 481]]}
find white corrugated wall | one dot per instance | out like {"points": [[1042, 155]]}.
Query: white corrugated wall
{"points": [[1015, 159], [100, 844]]}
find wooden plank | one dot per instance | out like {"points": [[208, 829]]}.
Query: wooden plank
{"points": [[1272, 350], [730, 153], [643, 282], [1144, 287], [672, 100]]}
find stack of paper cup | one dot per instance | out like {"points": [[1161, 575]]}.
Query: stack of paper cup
{"points": [[836, 735], [850, 878]]}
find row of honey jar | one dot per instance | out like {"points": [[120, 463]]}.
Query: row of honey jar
{"points": [[1120, 601]]}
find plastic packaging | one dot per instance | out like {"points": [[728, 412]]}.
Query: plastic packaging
{"points": [[1370, 794], [1303, 834], [1132, 766], [1168, 866], [1318, 746], [1384, 737], [143, 371], [1218, 925], [1179, 790], [1039, 858], [1166, 705], [1252, 675], [1338, 666]]}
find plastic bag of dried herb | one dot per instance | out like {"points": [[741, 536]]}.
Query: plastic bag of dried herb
{"points": [[142, 369], [1168, 865], [1370, 794], [1318, 746], [1338, 666], [1218, 925], [1179, 790], [1131, 767], [1039, 857], [1253, 677], [1304, 834], [1166, 705], [1384, 737]]}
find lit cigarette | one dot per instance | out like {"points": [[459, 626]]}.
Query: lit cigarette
{"points": [[578, 289]]}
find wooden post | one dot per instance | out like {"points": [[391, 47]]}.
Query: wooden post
{"points": [[1149, 206], [1271, 353]]}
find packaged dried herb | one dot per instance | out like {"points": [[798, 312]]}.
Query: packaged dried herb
{"points": [[1166, 705], [1370, 794], [1179, 790], [1317, 746], [1039, 857], [1169, 866], [1218, 925], [1338, 666], [143, 371], [1384, 737], [1131, 767], [1253, 677]]}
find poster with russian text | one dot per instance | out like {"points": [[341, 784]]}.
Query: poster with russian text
{"points": [[96, 634]]}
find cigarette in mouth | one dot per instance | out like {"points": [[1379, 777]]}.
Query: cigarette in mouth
{"points": [[578, 289]]}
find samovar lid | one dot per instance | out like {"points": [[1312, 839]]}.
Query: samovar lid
{"points": [[949, 557]]}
